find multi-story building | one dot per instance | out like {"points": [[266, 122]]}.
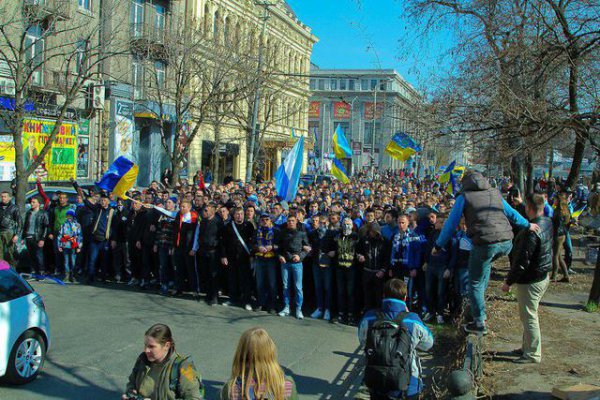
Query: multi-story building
{"points": [[369, 105], [270, 28]]}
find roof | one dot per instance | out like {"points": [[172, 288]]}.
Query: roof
{"points": [[289, 8]]}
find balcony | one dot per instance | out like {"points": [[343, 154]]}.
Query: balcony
{"points": [[37, 10], [145, 35]]}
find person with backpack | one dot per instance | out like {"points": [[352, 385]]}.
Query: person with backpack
{"points": [[255, 371], [391, 337], [160, 373]]}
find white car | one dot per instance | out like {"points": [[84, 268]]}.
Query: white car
{"points": [[24, 329]]}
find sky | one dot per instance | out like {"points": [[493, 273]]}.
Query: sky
{"points": [[366, 34]]}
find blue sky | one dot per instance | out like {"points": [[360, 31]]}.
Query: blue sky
{"points": [[373, 34]]}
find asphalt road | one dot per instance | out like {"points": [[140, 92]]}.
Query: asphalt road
{"points": [[97, 334]]}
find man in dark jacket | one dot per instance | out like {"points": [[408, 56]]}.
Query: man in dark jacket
{"points": [[34, 234], [206, 243], [102, 233], [235, 246], [531, 261], [293, 248], [10, 225], [135, 226], [488, 217]]}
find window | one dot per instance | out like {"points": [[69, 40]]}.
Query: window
{"points": [[85, 5], [82, 56], [12, 286], [160, 74], [137, 79], [369, 132], [382, 86], [343, 83], [345, 125], [226, 30], [351, 84], [216, 26], [333, 84], [313, 84], [137, 17], [321, 84], [364, 84], [34, 53], [373, 84], [159, 21]]}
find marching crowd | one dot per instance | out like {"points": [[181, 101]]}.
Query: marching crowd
{"points": [[330, 251]]}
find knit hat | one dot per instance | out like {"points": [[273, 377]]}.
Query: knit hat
{"points": [[71, 213]]}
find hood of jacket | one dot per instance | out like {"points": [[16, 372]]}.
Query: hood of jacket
{"points": [[474, 182]]}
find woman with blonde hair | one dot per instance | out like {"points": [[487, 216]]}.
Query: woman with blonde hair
{"points": [[256, 373], [561, 221]]}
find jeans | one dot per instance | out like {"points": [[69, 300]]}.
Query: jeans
{"points": [[69, 255], [345, 279], [186, 269], [323, 277], [568, 246], [97, 249], [480, 265], [266, 281], [209, 268], [436, 289], [36, 254], [120, 259], [239, 277], [461, 281], [289, 272], [528, 298]]}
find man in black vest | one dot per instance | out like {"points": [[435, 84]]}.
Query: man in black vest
{"points": [[488, 217], [531, 261]]}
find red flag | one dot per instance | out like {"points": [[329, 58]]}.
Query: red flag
{"points": [[201, 184]]}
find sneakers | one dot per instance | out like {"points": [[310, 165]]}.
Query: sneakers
{"points": [[164, 290], [299, 315], [439, 319], [248, 307], [317, 314], [517, 352], [143, 284], [227, 303], [427, 317], [285, 312], [133, 282], [327, 315], [478, 329], [524, 360]]}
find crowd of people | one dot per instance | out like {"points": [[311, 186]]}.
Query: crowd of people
{"points": [[330, 251]]}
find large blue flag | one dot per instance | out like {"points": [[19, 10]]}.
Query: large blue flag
{"points": [[288, 174]]}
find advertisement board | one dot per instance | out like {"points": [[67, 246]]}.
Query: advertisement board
{"points": [[314, 109], [341, 110]]}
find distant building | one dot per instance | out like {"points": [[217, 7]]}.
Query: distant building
{"points": [[370, 106]]}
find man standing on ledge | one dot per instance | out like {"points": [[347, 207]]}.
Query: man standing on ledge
{"points": [[531, 261], [488, 217]]}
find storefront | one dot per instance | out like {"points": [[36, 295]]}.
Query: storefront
{"points": [[228, 154]]}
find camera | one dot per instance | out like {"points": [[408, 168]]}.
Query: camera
{"points": [[134, 396]]}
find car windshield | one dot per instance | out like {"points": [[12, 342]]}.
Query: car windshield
{"points": [[12, 286]]}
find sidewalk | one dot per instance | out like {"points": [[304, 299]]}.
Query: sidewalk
{"points": [[570, 339]]}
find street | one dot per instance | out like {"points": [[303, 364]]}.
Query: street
{"points": [[97, 333]]}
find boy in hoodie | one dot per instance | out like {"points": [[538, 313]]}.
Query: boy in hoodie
{"points": [[393, 306], [70, 240]]}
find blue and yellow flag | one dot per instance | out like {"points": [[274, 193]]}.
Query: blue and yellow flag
{"points": [[120, 177], [339, 172], [402, 147], [341, 148], [448, 172], [577, 213]]}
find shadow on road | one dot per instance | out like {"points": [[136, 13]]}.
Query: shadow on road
{"points": [[78, 387], [527, 395]]}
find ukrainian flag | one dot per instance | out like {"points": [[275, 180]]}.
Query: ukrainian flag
{"points": [[339, 172], [402, 147], [445, 177], [341, 148], [120, 177]]}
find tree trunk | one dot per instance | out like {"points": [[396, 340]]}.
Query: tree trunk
{"points": [[217, 155], [529, 165], [551, 162], [518, 172], [577, 160], [594, 298]]}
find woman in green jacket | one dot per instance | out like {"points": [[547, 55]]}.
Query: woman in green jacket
{"points": [[160, 373], [256, 373]]}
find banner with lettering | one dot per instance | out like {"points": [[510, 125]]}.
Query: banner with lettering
{"points": [[60, 164], [369, 110], [314, 109]]}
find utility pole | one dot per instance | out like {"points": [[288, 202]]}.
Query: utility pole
{"points": [[257, 93], [373, 133]]}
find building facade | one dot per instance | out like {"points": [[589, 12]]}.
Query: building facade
{"points": [[369, 105]]}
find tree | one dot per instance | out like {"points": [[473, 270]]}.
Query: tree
{"points": [[52, 56]]}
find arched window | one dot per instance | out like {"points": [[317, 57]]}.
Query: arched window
{"points": [[226, 23], [216, 25], [206, 20]]}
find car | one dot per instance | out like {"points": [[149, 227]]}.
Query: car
{"points": [[24, 329], [309, 179]]}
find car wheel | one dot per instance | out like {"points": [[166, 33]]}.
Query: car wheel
{"points": [[26, 358]]}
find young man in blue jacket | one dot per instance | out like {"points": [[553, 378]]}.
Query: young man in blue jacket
{"points": [[394, 303]]}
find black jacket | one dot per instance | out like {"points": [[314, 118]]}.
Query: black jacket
{"points": [[208, 237], [292, 242], [532, 255], [136, 226], [10, 218], [40, 223], [229, 244], [373, 249]]}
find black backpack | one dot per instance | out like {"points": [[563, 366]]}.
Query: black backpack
{"points": [[387, 351]]}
